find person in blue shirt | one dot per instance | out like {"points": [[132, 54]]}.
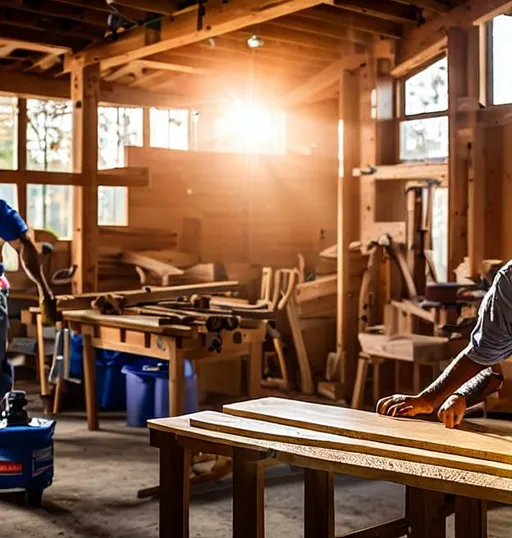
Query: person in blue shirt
{"points": [[476, 372], [14, 231]]}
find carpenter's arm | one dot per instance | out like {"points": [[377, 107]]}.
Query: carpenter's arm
{"points": [[481, 386]]}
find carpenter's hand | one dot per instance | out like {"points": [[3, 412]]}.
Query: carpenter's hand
{"points": [[400, 405], [452, 411], [48, 306]]}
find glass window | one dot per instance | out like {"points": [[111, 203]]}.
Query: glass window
{"points": [[502, 66], [424, 139], [440, 232], [49, 148], [169, 129], [427, 91], [118, 127], [8, 125]]}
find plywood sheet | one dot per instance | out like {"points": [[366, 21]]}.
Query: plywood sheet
{"points": [[257, 429], [475, 440]]}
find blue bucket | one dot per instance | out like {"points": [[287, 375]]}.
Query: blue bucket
{"points": [[162, 391], [140, 393]]}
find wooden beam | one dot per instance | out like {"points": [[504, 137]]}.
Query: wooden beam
{"points": [[35, 39], [497, 8], [174, 67], [44, 63], [22, 157], [389, 11], [102, 6], [412, 171], [432, 33], [355, 21], [33, 46], [423, 57], [493, 116], [85, 87], [349, 195], [218, 20], [323, 79], [164, 7], [432, 5]]}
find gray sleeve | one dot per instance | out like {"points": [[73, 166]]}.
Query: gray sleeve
{"points": [[491, 339]]}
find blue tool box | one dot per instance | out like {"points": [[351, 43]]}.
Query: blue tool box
{"points": [[26, 457]]}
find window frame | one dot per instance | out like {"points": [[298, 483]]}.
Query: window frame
{"points": [[402, 117]]}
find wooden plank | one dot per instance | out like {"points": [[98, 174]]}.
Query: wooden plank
{"points": [[476, 440], [36, 47], [22, 156], [433, 477], [163, 7], [322, 286], [389, 11], [404, 172], [258, 429], [135, 297], [85, 83], [183, 30]]}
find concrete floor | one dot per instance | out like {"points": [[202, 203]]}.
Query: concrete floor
{"points": [[98, 474]]}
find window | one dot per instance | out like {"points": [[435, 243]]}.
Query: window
{"points": [[169, 129], [117, 127], [424, 123], [49, 148], [501, 64], [440, 232]]}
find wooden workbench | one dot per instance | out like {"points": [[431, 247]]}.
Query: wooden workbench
{"points": [[141, 335], [367, 446]]}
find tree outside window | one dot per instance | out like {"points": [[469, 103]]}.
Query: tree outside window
{"points": [[118, 127], [169, 128]]}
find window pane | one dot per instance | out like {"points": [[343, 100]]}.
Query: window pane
{"points": [[440, 232], [502, 66], [427, 91], [49, 135], [169, 129], [50, 207], [113, 206], [9, 193], [8, 124], [424, 139]]}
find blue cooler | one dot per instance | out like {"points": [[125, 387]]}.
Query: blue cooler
{"points": [[162, 391], [26, 456], [140, 392]]}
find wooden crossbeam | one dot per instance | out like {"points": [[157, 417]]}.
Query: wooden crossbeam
{"points": [[353, 20], [326, 78], [183, 30], [164, 7], [161, 65], [33, 46], [432, 35], [389, 11], [432, 5], [117, 177], [44, 63]]}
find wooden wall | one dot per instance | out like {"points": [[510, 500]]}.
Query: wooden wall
{"points": [[255, 209]]}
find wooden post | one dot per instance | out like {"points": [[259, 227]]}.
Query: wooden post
{"points": [[470, 518], [348, 225], [22, 156], [146, 127], [425, 511], [174, 489], [458, 173], [85, 82], [318, 504], [176, 379], [248, 495], [89, 362]]}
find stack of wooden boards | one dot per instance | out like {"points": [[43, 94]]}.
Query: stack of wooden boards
{"points": [[445, 471]]}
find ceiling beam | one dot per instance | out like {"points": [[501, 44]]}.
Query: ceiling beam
{"points": [[163, 7], [322, 29], [219, 19], [432, 5], [176, 68], [44, 63], [356, 21], [39, 38], [101, 5], [33, 46], [432, 35], [389, 11], [324, 79]]}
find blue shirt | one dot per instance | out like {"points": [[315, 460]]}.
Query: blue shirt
{"points": [[12, 226], [491, 339]]}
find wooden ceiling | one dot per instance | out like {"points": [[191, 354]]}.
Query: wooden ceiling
{"points": [[35, 36]]}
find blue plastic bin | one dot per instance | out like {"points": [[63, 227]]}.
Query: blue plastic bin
{"points": [[140, 393], [162, 391]]}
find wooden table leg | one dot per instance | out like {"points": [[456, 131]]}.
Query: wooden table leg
{"points": [[174, 490], [176, 380], [90, 383], [248, 495], [470, 518], [318, 504], [426, 512], [254, 370], [41, 368], [359, 385]]}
